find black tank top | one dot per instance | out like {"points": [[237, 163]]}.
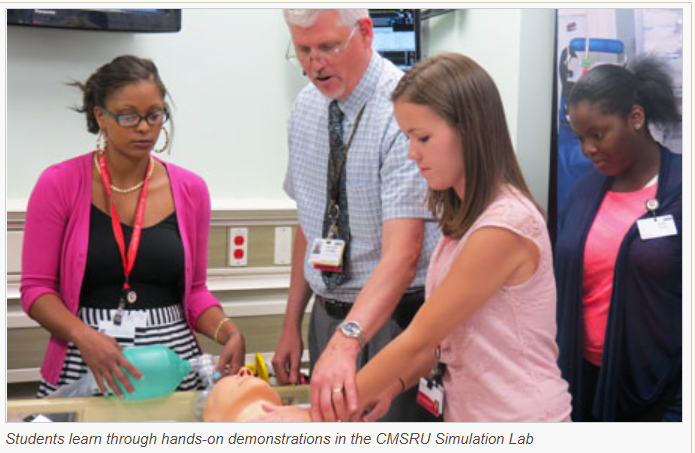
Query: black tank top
{"points": [[156, 277]]}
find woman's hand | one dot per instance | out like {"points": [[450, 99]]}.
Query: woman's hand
{"points": [[222, 330], [233, 354], [103, 356], [379, 406]]}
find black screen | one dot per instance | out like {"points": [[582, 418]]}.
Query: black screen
{"points": [[133, 20]]}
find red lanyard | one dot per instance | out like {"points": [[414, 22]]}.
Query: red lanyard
{"points": [[128, 260]]}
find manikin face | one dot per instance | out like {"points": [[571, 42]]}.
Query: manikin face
{"points": [[434, 145], [608, 140], [142, 98], [238, 398], [335, 77]]}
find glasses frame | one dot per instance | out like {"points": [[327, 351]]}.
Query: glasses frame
{"points": [[324, 55], [118, 118]]}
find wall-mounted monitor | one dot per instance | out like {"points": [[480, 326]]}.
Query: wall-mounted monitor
{"points": [[126, 20], [397, 35]]}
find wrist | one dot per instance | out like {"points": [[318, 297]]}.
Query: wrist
{"points": [[224, 331], [79, 333], [225, 337], [346, 344], [353, 330], [399, 387], [293, 323]]}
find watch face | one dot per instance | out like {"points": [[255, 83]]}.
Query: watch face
{"points": [[352, 328]]}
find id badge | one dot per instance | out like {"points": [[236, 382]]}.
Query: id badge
{"points": [[657, 227], [126, 330], [327, 253], [430, 395]]}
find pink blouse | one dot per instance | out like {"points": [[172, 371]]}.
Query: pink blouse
{"points": [[502, 362]]}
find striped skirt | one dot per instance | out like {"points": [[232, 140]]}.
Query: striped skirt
{"points": [[166, 326]]}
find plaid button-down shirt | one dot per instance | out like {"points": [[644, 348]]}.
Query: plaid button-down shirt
{"points": [[382, 183]]}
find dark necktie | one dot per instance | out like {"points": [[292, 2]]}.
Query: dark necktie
{"points": [[336, 192]]}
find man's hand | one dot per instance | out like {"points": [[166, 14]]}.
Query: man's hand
{"points": [[288, 356], [333, 390]]}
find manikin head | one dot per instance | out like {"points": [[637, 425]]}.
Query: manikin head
{"points": [[239, 398]]}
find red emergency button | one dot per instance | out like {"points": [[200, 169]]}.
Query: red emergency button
{"points": [[238, 254], [238, 240]]}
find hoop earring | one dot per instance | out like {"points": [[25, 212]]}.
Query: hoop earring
{"points": [[101, 141], [166, 141]]}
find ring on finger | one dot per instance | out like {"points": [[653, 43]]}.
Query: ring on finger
{"points": [[337, 390]]}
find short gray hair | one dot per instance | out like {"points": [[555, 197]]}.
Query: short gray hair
{"points": [[305, 18]]}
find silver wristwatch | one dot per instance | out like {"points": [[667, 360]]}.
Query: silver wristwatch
{"points": [[352, 329]]}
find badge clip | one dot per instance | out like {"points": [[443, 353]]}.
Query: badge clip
{"points": [[652, 205], [118, 317]]}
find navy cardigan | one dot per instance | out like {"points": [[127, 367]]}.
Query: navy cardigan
{"points": [[642, 354]]}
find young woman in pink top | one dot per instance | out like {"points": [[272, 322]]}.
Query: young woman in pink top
{"points": [[618, 256], [490, 309], [115, 244]]}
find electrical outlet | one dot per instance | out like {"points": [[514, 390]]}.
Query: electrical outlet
{"points": [[283, 245], [238, 246]]}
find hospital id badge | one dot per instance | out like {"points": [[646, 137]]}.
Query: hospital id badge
{"points": [[126, 330], [430, 395], [657, 227], [327, 253]]}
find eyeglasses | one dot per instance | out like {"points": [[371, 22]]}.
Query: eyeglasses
{"points": [[323, 52], [156, 118]]}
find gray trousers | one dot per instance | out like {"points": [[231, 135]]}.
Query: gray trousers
{"points": [[404, 408]]}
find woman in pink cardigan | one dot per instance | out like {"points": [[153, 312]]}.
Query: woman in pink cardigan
{"points": [[115, 245]]}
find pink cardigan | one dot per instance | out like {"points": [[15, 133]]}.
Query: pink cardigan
{"points": [[56, 237]]}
